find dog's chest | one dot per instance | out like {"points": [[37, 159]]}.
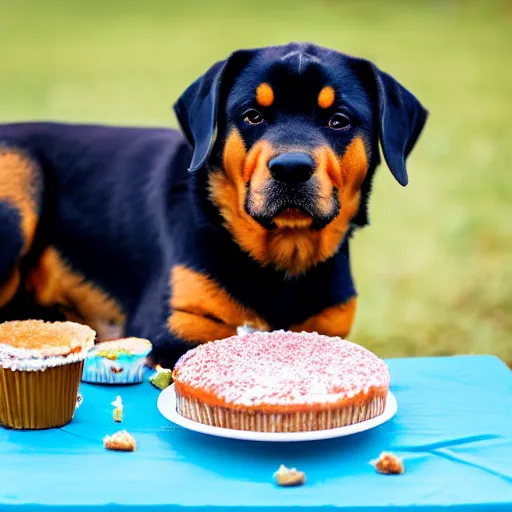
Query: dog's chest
{"points": [[204, 308]]}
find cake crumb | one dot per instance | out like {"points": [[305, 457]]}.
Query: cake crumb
{"points": [[389, 464], [118, 409], [120, 441], [161, 378], [288, 477]]}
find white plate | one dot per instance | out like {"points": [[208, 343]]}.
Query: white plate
{"points": [[167, 406]]}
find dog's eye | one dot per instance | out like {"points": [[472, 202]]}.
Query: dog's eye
{"points": [[339, 121], [253, 117]]}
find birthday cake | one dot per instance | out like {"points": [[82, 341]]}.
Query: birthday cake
{"points": [[280, 382]]}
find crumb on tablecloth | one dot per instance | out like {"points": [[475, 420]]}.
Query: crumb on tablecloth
{"points": [[288, 477], [161, 378], [118, 409], [389, 464], [120, 441]]}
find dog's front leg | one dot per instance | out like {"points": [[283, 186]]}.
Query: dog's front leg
{"points": [[333, 321], [200, 310], [167, 349]]}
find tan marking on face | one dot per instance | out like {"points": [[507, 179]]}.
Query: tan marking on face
{"points": [[293, 246], [325, 178], [347, 175], [228, 189], [326, 97], [257, 173], [264, 95]]}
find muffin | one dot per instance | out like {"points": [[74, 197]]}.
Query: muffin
{"points": [[280, 382], [40, 368], [120, 361]]}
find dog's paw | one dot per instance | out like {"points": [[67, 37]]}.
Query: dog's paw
{"points": [[166, 351]]}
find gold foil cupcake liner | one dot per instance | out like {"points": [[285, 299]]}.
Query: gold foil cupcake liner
{"points": [[223, 417], [39, 399]]}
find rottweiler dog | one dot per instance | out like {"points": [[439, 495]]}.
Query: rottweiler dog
{"points": [[243, 218]]}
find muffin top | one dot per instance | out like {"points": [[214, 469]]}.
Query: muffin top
{"points": [[33, 344], [122, 347]]}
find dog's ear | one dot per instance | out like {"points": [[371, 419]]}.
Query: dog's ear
{"points": [[402, 118], [197, 108]]}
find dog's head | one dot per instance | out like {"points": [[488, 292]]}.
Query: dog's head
{"points": [[289, 137]]}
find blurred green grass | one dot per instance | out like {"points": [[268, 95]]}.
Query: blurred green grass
{"points": [[434, 270]]}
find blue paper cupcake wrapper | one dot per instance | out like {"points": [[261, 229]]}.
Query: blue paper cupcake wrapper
{"points": [[119, 371]]}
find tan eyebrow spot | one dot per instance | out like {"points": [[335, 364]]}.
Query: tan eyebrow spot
{"points": [[264, 95], [326, 97]]}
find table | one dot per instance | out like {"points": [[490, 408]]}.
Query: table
{"points": [[453, 429]]}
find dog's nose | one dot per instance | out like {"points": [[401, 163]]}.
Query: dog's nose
{"points": [[292, 168]]}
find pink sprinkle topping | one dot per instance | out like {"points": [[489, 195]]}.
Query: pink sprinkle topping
{"points": [[282, 368]]}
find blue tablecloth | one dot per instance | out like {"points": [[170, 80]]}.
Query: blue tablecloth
{"points": [[453, 429]]}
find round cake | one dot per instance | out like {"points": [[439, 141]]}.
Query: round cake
{"points": [[40, 368], [280, 382]]}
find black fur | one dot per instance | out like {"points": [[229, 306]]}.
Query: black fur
{"points": [[125, 205]]}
